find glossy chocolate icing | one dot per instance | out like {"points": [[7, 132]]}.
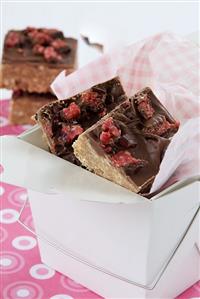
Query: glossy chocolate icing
{"points": [[110, 95], [23, 51], [149, 148]]}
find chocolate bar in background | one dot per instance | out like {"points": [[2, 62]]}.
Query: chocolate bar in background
{"points": [[128, 144], [23, 106], [63, 121], [33, 57]]}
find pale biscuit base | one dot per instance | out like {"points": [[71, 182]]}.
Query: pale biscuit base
{"points": [[100, 165], [30, 77]]}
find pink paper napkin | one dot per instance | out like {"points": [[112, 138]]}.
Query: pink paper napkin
{"points": [[169, 65]]}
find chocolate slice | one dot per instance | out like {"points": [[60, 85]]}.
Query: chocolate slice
{"points": [[128, 144], [33, 57], [63, 121]]}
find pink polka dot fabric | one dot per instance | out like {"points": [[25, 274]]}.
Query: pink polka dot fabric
{"points": [[22, 273]]}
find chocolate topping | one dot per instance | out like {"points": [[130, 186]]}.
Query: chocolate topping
{"points": [[63, 121], [142, 138], [38, 45]]}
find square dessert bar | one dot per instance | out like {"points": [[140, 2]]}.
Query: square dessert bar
{"points": [[32, 58], [24, 105], [127, 145], [63, 121]]}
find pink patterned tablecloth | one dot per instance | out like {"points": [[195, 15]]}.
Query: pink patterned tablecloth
{"points": [[21, 271]]}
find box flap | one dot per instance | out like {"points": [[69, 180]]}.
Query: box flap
{"points": [[44, 172], [34, 168]]}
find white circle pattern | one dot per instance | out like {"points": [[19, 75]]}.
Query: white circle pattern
{"points": [[23, 293], [13, 216], [29, 242], [23, 289], [5, 262], [17, 197], [10, 262], [41, 271], [2, 190], [71, 285]]}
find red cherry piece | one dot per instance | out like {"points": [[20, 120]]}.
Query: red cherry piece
{"points": [[162, 127], [124, 158], [59, 44], [72, 111], [89, 97], [105, 138], [51, 55], [71, 132], [115, 131], [144, 107], [108, 125], [108, 134], [92, 99], [12, 39], [40, 37], [38, 49]]}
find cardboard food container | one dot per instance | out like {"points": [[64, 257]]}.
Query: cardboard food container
{"points": [[109, 239]]}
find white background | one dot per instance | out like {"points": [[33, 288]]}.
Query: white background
{"points": [[108, 22]]}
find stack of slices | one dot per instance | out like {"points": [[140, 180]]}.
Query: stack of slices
{"points": [[32, 58]]}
